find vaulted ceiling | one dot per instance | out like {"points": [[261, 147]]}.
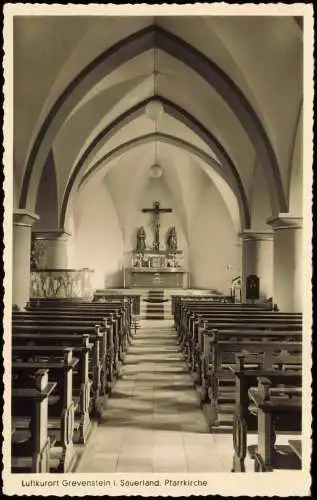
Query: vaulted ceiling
{"points": [[231, 88]]}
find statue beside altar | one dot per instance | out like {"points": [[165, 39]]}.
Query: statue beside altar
{"points": [[171, 240], [141, 240]]}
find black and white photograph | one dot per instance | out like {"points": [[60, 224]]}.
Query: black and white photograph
{"points": [[157, 249]]}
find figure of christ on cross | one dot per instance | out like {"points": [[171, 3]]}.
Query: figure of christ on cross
{"points": [[156, 210]]}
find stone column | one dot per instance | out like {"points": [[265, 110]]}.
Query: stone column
{"points": [[22, 225], [288, 268], [257, 258], [55, 248]]}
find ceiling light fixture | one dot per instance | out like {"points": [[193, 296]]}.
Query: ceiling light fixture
{"points": [[156, 171], [153, 111]]}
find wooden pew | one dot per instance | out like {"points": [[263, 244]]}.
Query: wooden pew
{"points": [[278, 409], [219, 347], [207, 319], [282, 369], [36, 324], [236, 328], [193, 315], [205, 312], [115, 314], [32, 453], [111, 346], [108, 319], [111, 350], [197, 304], [82, 385], [190, 343], [217, 380], [179, 300], [119, 307], [25, 363], [97, 336]]}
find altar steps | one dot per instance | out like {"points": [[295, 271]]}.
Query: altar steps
{"points": [[155, 305]]}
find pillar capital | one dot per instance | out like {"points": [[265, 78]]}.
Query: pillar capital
{"points": [[256, 235], [23, 217], [285, 221], [52, 234]]}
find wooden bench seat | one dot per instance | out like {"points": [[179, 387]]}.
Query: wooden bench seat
{"points": [[211, 335], [61, 406], [112, 343], [215, 369], [187, 311], [193, 344], [117, 308], [120, 337], [110, 317], [82, 384], [245, 416], [191, 324], [97, 336], [121, 310], [117, 317], [278, 410], [181, 305], [32, 453]]}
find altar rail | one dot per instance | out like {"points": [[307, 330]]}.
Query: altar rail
{"points": [[61, 283]]}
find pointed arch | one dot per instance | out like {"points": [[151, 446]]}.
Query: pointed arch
{"points": [[119, 53], [169, 139], [229, 173]]}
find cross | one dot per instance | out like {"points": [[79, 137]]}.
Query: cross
{"points": [[156, 210]]}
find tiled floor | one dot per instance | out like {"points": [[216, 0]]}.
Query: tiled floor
{"points": [[152, 422]]}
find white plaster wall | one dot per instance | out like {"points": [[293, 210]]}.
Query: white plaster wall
{"points": [[154, 189], [98, 238], [108, 213], [214, 253], [296, 180]]}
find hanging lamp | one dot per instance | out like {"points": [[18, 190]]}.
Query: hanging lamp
{"points": [[153, 110]]}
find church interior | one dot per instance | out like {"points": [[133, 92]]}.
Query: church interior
{"points": [[157, 263]]}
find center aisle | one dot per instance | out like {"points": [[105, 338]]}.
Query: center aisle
{"points": [[152, 421]]}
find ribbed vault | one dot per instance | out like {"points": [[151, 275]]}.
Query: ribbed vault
{"points": [[125, 50]]}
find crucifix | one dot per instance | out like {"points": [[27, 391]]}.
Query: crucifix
{"points": [[156, 210]]}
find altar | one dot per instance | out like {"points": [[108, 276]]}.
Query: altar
{"points": [[156, 278], [152, 267], [156, 270]]}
